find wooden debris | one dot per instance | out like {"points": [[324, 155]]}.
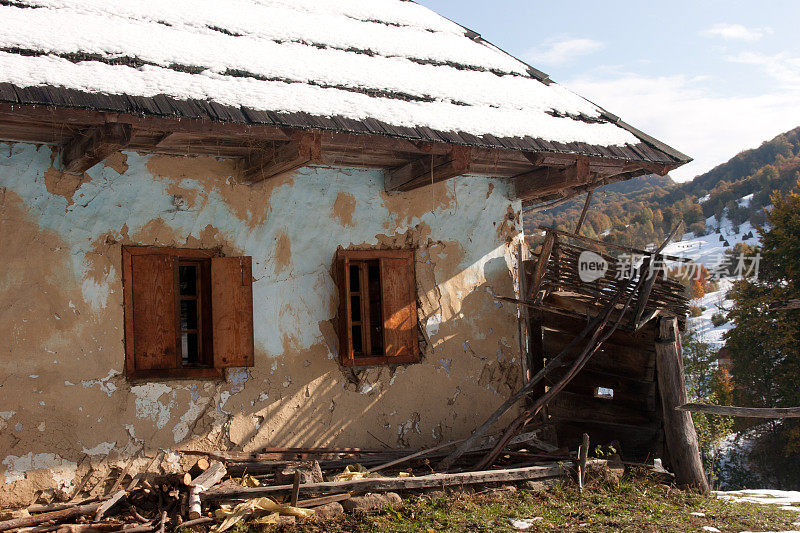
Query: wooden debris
{"points": [[392, 484], [108, 504], [210, 477], [54, 516]]}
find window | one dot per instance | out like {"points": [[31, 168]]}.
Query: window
{"points": [[377, 307], [188, 313]]}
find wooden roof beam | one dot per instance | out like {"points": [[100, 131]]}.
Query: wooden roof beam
{"points": [[92, 145], [427, 170], [304, 149], [547, 180]]}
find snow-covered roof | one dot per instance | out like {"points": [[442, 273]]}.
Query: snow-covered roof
{"points": [[391, 67]]}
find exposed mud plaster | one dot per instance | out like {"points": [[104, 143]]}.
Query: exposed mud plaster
{"points": [[63, 318], [118, 161], [343, 208]]}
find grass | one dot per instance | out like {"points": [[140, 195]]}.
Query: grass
{"points": [[628, 505]]}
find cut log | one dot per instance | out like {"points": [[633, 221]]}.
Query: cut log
{"points": [[428, 169], [304, 149], [393, 484], [747, 412], [679, 431], [92, 145], [201, 483]]}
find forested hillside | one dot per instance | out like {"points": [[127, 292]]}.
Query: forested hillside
{"points": [[643, 210]]}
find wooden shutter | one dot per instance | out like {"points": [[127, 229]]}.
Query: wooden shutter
{"points": [[232, 311], [398, 289], [345, 331], [155, 339]]}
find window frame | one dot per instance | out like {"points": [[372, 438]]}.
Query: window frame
{"points": [[344, 258], [181, 372]]}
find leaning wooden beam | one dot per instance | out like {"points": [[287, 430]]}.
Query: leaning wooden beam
{"points": [[479, 433], [585, 209], [747, 412], [304, 149], [681, 438], [92, 145], [428, 169], [414, 455], [390, 484]]}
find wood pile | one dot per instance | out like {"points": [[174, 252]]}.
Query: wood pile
{"points": [[288, 483]]}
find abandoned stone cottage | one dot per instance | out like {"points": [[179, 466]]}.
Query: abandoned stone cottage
{"points": [[273, 224]]}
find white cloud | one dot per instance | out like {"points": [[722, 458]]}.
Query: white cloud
{"points": [[782, 67], [736, 32], [560, 51], [683, 112]]}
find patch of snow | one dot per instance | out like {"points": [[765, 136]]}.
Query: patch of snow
{"points": [[524, 523], [311, 58]]}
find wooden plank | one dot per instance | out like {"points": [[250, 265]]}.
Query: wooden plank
{"points": [[153, 312], [345, 332], [304, 149], [399, 294], [570, 405], [232, 311], [541, 265], [92, 145], [682, 445], [747, 412], [390, 484], [427, 170]]}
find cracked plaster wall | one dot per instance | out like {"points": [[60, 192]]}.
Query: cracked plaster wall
{"points": [[65, 405]]}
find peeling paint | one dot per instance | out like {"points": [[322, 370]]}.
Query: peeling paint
{"points": [[73, 230]]}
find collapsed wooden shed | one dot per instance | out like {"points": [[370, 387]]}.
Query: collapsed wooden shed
{"points": [[625, 395]]}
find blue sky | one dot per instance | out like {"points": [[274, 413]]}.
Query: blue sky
{"points": [[709, 77]]}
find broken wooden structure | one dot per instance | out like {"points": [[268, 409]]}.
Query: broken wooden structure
{"points": [[625, 395]]}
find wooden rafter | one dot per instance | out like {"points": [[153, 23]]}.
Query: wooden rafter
{"points": [[429, 169], [304, 149], [92, 145], [547, 180]]}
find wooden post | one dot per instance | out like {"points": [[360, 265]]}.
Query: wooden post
{"points": [[524, 314], [682, 445], [583, 455], [295, 488]]}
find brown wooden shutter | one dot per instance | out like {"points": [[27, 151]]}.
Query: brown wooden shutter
{"points": [[232, 311], [345, 331], [398, 289], [155, 339]]}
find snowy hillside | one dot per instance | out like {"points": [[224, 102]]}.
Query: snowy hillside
{"points": [[709, 251]]}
